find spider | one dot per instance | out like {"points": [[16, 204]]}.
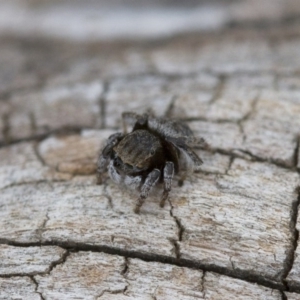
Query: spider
{"points": [[155, 150]]}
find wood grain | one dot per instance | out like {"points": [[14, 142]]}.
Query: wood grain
{"points": [[230, 232]]}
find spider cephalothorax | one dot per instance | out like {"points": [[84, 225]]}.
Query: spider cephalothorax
{"points": [[154, 151]]}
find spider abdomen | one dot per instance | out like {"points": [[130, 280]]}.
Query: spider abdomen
{"points": [[140, 149]]}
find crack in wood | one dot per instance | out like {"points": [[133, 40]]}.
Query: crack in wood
{"points": [[61, 261], [37, 153], [290, 258], [102, 104], [180, 231], [36, 182], [203, 284], [37, 287], [52, 265], [256, 158], [77, 130], [108, 197], [253, 108], [17, 91], [107, 291], [232, 158], [150, 257], [21, 274], [283, 296], [296, 153], [248, 116], [124, 273], [222, 78], [126, 266], [153, 297], [43, 226], [39, 137]]}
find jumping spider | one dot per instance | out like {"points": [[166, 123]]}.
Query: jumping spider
{"points": [[152, 152]]}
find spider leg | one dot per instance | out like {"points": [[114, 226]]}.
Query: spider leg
{"points": [[188, 141], [103, 159], [194, 159], [189, 159], [196, 142], [113, 173], [102, 163], [192, 163], [168, 176], [135, 120], [113, 140], [150, 181]]}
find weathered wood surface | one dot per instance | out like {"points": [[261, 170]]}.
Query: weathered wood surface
{"points": [[29, 260], [230, 232], [90, 275]]}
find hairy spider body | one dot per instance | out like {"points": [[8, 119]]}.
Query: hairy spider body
{"points": [[154, 151]]}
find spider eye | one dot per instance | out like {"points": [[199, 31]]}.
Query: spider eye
{"points": [[117, 162], [152, 152]]}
